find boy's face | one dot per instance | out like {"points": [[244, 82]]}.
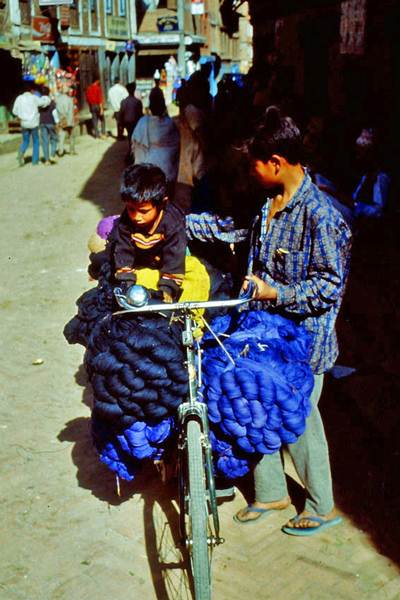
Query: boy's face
{"points": [[265, 172], [143, 214]]}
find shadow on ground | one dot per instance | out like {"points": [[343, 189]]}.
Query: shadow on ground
{"points": [[362, 412], [102, 188], [167, 562]]}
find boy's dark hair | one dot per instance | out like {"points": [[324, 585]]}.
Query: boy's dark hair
{"points": [[157, 104], [143, 183], [131, 87], [28, 86], [275, 134]]}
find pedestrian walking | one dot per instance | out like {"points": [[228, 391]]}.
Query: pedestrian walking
{"points": [[131, 110], [116, 94], [26, 108], [155, 140], [156, 93], [95, 99], [66, 124], [48, 131]]}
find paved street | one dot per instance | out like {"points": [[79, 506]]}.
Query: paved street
{"points": [[65, 533]]}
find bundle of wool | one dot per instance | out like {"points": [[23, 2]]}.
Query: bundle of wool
{"points": [[93, 305], [135, 366], [123, 453], [261, 401]]}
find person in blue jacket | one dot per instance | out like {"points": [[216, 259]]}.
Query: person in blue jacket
{"points": [[371, 193]]}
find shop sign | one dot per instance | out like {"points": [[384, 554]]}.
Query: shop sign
{"points": [[352, 27], [55, 2], [167, 23], [117, 28], [197, 7], [41, 29], [110, 46]]}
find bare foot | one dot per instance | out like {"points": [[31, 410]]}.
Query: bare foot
{"points": [[301, 521], [247, 514]]}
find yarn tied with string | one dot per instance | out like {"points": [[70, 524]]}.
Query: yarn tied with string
{"points": [[258, 388], [123, 453], [136, 370]]}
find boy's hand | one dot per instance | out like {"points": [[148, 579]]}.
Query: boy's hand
{"points": [[262, 290]]}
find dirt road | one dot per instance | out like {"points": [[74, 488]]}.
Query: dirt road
{"points": [[66, 535]]}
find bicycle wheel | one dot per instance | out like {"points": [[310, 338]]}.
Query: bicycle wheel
{"points": [[197, 530]]}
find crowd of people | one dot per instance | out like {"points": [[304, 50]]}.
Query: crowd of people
{"points": [[198, 149], [48, 121]]}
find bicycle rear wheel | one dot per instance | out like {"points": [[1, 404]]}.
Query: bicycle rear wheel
{"points": [[197, 526]]}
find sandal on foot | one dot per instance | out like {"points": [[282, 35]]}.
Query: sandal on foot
{"points": [[250, 508], [304, 531]]}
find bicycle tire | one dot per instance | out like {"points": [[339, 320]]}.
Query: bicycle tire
{"points": [[198, 513]]}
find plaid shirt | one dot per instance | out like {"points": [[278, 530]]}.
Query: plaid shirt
{"points": [[207, 227], [305, 255]]}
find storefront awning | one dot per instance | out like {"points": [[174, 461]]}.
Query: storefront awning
{"points": [[165, 50], [167, 39]]}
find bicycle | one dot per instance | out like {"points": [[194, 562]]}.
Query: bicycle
{"points": [[198, 513]]}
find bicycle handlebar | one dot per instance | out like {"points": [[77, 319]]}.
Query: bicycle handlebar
{"points": [[145, 306]]}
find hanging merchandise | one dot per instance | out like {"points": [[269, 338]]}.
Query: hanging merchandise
{"points": [[352, 27], [55, 60], [37, 68], [197, 7]]}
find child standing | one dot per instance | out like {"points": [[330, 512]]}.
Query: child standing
{"points": [[298, 261], [150, 231]]}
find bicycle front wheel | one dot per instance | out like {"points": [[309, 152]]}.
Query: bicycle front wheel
{"points": [[197, 533]]}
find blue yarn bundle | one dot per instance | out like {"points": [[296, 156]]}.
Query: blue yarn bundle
{"points": [[135, 366], [136, 369], [262, 401], [122, 453]]}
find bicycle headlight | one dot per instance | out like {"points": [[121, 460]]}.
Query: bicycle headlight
{"points": [[137, 296]]}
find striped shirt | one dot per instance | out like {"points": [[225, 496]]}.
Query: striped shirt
{"points": [[304, 253]]}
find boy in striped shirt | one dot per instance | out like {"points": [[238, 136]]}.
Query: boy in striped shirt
{"points": [[150, 232]]}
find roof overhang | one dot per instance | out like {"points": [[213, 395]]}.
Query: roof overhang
{"points": [[167, 39]]}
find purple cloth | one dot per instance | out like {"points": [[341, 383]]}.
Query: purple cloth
{"points": [[105, 226]]}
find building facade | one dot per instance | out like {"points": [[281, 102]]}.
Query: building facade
{"points": [[334, 56], [80, 40]]}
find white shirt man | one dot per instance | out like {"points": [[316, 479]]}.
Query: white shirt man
{"points": [[116, 94], [26, 108]]}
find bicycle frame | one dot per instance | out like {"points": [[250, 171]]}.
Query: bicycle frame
{"points": [[197, 410], [197, 496]]}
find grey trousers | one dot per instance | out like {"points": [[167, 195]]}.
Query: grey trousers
{"points": [[69, 133], [311, 459]]}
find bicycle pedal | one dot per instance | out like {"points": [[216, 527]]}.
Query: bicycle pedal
{"points": [[229, 492]]}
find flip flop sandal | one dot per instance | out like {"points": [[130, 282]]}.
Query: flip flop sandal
{"points": [[262, 512], [307, 531]]}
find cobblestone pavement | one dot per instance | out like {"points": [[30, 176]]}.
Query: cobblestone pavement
{"points": [[65, 533]]}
